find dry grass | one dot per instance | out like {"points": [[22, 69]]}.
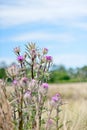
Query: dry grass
{"points": [[74, 112], [5, 111]]}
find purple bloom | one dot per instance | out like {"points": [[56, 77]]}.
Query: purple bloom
{"points": [[45, 85], [15, 82], [20, 58], [55, 98], [27, 94], [50, 122], [58, 95], [49, 58], [24, 79]]}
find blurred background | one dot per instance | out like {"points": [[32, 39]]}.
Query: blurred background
{"points": [[59, 25]]}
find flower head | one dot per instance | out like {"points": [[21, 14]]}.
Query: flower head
{"points": [[43, 88], [17, 50], [15, 82], [45, 85], [24, 79], [27, 94], [20, 58], [27, 97], [45, 51], [49, 58], [56, 100], [50, 122]]}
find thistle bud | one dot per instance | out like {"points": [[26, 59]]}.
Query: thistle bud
{"points": [[27, 96], [45, 51], [17, 50], [44, 88], [56, 100]]}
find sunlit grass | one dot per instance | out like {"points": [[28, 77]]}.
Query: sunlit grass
{"points": [[74, 111]]}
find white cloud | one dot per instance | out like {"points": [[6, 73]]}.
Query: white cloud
{"points": [[63, 37], [7, 60], [69, 60], [45, 10]]}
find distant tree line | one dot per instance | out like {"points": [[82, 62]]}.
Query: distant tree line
{"points": [[58, 74]]}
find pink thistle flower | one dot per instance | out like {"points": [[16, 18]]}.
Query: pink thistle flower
{"points": [[58, 95], [49, 58], [27, 96], [55, 98], [50, 122], [43, 88], [20, 58], [15, 82], [45, 85], [24, 79]]}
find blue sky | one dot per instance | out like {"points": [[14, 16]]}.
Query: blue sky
{"points": [[59, 25]]}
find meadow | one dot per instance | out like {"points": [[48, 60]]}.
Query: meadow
{"points": [[36, 105], [74, 110], [73, 113]]}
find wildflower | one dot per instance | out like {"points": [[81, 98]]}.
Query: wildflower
{"points": [[44, 88], [20, 58], [50, 122], [45, 85], [49, 58], [33, 85], [24, 79], [24, 82], [17, 50], [56, 100], [27, 96], [45, 51], [15, 82]]}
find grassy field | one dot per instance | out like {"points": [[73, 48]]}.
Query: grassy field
{"points": [[74, 112]]}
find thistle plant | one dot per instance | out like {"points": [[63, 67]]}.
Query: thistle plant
{"points": [[30, 90]]}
